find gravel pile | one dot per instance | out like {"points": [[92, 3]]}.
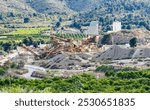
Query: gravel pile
{"points": [[66, 61], [85, 61], [115, 53], [142, 53]]}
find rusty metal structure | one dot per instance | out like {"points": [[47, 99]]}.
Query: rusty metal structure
{"points": [[59, 45]]}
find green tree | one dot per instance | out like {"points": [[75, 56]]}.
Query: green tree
{"points": [[35, 44], [7, 46], [133, 42], [58, 24], [26, 41], [2, 71], [26, 20], [106, 39]]}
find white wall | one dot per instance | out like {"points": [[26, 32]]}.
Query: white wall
{"points": [[116, 26]]}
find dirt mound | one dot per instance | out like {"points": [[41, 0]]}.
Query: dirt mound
{"points": [[119, 53], [68, 61], [115, 53], [142, 53], [87, 61], [124, 36]]}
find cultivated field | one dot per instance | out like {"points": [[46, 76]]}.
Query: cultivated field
{"points": [[28, 31]]}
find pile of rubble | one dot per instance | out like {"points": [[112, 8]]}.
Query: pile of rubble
{"points": [[60, 45], [124, 36], [142, 53], [115, 53], [72, 55], [64, 53], [79, 61], [118, 53], [16, 72]]}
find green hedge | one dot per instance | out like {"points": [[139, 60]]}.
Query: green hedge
{"points": [[84, 83]]}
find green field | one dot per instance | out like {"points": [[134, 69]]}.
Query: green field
{"points": [[22, 33], [72, 36], [28, 31]]}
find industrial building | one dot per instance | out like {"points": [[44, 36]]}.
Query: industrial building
{"points": [[116, 26], [93, 29]]}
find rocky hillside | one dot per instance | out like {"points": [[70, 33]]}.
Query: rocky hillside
{"points": [[132, 13], [49, 6], [15, 6], [34, 6], [83, 5], [59, 6], [124, 36]]}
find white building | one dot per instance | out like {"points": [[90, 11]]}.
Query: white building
{"points": [[116, 26], [93, 29]]}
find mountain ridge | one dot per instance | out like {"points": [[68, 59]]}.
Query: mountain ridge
{"points": [[52, 6], [85, 11]]}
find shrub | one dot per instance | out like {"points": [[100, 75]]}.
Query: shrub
{"points": [[2, 71], [26, 20]]}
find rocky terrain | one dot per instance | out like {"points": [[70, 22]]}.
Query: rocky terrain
{"points": [[70, 62], [89, 61], [120, 53], [132, 13], [124, 36], [15, 6], [115, 53], [50, 6]]}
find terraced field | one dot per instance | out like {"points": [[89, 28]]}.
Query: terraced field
{"points": [[72, 36], [28, 31]]}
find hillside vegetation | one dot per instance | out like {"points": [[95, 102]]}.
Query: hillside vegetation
{"points": [[49, 6], [120, 82], [132, 14], [15, 6]]}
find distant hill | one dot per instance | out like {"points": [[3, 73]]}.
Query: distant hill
{"points": [[132, 13], [83, 5], [34, 6], [87, 5], [15, 6], [49, 6]]}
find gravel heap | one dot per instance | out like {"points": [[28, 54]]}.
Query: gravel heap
{"points": [[66, 61], [142, 53], [83, 61], [115, 53]]}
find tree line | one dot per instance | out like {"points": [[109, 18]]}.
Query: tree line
{"points": [[124, 80], [84, 83]]}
